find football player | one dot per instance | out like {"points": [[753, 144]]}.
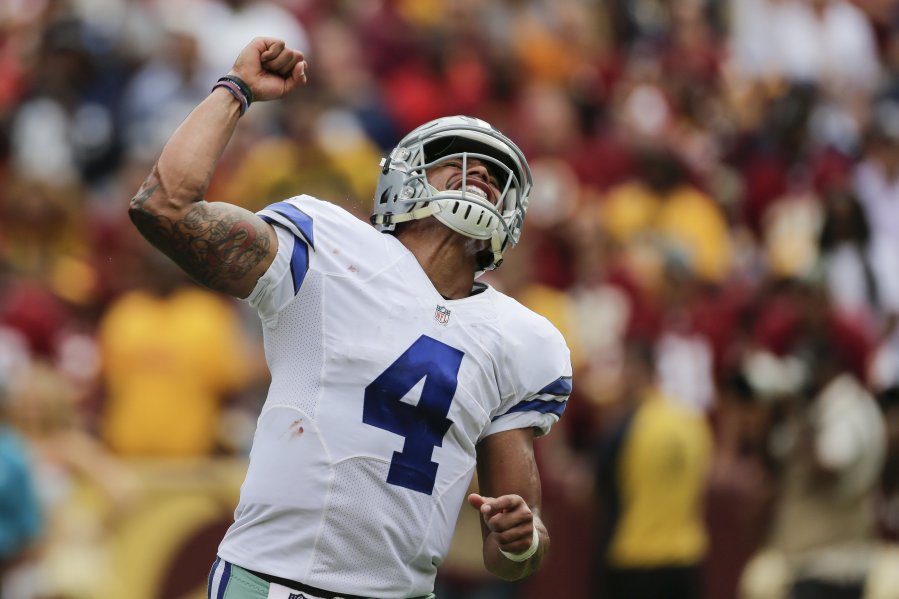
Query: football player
{"points": [[395, 374]]}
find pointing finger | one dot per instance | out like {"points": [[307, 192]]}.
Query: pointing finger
{"points": [[476, 501], [504, 503]]}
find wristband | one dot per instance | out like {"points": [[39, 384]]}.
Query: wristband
{"points": [[241, 85], [527, 553], [235, 91]]}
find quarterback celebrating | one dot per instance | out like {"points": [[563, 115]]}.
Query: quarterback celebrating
{"points": [[395, 374]]}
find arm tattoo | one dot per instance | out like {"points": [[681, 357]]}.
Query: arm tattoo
{"points": [[212, 242]]}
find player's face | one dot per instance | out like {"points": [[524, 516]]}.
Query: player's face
{"points": [[479, 179]]}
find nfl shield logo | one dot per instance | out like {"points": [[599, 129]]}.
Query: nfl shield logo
{"points": [[442, 315]]}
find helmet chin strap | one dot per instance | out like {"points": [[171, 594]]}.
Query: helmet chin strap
{"points": [[497, 246], [392, 219]]}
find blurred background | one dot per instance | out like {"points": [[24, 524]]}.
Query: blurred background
{"points": [[714, 228]]}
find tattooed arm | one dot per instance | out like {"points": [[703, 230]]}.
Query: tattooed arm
{"points": [[221, 245]]}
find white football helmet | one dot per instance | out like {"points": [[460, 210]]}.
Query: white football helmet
{"points": [[404, 193]]}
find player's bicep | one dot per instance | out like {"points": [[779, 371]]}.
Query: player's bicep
{"points": [[222, 246]]}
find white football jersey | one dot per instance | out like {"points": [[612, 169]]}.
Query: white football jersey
{"points": [[380, 391]]}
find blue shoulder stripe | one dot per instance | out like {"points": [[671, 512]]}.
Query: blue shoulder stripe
{"points": [[299, 264], [299, 259], [300, 219], [560, 387], [537, 405]]}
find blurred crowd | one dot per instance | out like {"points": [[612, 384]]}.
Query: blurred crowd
{"points": [[714, 228]]}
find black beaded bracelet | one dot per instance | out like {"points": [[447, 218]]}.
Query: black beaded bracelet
{"points": [[241, 85]]}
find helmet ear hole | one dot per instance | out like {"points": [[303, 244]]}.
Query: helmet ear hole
{"points": [[485, 260]]}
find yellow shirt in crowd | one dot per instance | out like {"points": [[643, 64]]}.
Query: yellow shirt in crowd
{"points": [[685, 222], [168, 364], [662, 474]]}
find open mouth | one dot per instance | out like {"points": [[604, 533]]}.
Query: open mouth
{"points": [[473, 187], [475, 190]]}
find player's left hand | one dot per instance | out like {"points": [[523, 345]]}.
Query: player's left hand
{"points": [[509, 518]]}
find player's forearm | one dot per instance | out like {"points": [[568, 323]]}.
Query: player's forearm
{"points": [[187, 162], [502, 567]]}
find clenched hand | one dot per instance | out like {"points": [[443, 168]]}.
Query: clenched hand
{"points": [[270, 68]]}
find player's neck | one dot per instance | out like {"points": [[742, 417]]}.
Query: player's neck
{"points": [[448, 258]]}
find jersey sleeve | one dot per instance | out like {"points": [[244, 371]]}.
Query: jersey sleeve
{"points": [[313, 236], [540, 363], [295, 228]]}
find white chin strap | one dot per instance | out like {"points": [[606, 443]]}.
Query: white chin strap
{"points": [[392, 219], [496, 247]]}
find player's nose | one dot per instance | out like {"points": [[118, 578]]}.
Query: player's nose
{"points": [[477, 169]]}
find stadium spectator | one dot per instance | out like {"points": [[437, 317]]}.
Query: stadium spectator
{"points": [[662, 219], [67, 460], [220, 27], [844, 243], [652, 472], [162, 92], [828, 42], [22, 522], [889, 510], [822, 543], [875, 186], [172, 356]]}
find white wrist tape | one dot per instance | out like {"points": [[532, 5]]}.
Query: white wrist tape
{"points": [[527, 553]]}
